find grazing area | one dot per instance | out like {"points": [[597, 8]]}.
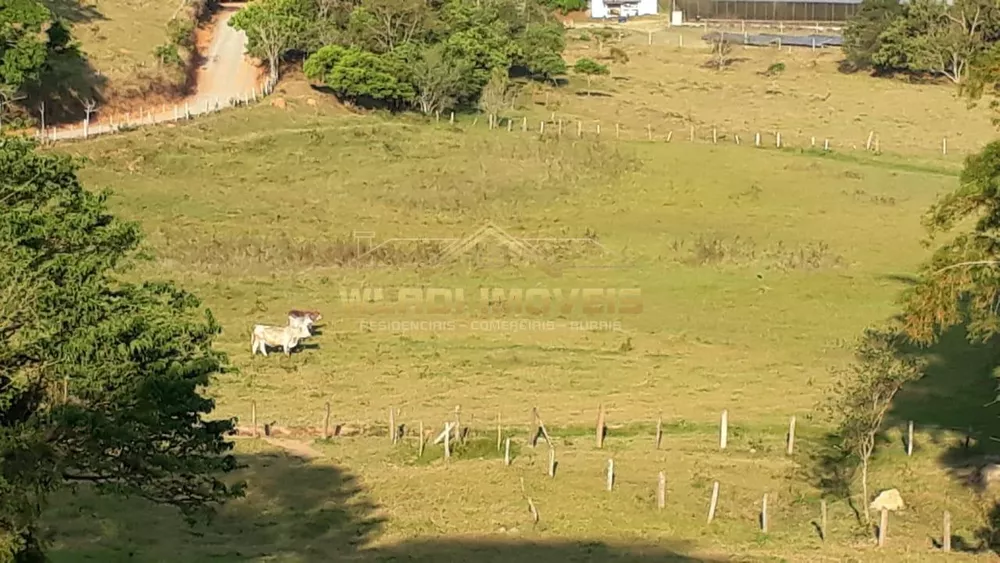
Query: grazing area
{"points": [[757, 270], [460, 283], [799, 92]]}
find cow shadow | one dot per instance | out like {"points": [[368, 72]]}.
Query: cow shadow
{"points": [[309, 511]]}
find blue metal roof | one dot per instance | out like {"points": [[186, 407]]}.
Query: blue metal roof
{"points": [[764, 39]]}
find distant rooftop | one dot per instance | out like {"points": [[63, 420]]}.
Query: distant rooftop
{"points": [[800, 1]]}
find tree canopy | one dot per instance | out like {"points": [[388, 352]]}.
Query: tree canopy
{"points": [[922, 37], [429, 56], [29, 37], [99, 378]]}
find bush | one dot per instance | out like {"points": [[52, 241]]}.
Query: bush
{"points": [[181, 33], [567, 6]]}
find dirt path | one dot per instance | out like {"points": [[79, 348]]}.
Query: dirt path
{"points": [[227, 72], [295, 448], [226, 75]]}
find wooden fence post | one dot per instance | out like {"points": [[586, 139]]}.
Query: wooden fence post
{"points": [[420, 444], [506, 451], [659, 432], [600, 427], [944, 146], [661, 491], [756, 139], [499, 432], [458, 423], [617, 131], [909, 439], [326, 422], [253, 417], [447, 441], [791, 435], [946, 534], [883, 525], [715, 136], [763, 514], [579, 129], [724, 430], [552, 461], [611, 474], [714, 503], [822, 519], [392, 425]]}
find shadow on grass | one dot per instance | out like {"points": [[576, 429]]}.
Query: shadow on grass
{"points": [[954, 399], [952, 406], [74, 11], [66, 84], [294, 511]]}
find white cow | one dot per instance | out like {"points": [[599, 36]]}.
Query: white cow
{"points": [[287, 337]]}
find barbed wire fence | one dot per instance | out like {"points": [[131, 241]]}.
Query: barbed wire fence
{"points": [[167, 113]]}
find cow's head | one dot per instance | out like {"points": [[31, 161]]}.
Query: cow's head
{"points": [[301, 330]]}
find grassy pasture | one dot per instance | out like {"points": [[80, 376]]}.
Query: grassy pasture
{"points": [[757, 269], [665, 85]]}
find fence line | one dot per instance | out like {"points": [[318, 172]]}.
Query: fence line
{"points": [[454, 435], [184, 110], [581, 129], [552, 127]]}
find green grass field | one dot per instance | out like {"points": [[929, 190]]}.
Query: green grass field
{"points": [[757, 269]]}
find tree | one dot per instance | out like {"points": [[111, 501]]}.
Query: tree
{"points": [[567, 6], [721, 49], [497, 95], [540, 50], [961, 281], [935, 38], [24, 41], [865, 393], [437, 80], [590, 69], [863, 32], [273, 27], [131, 356], [354, 74], [381, 25]]}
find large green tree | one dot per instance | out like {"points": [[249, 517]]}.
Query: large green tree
{"points": [[960, 284], [29, 37], [273, 28], [432, 54], [99, 378]]}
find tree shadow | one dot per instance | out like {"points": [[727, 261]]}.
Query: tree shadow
{"points": [[66, 84], [312, 512], [953, 404], [74, 11], [953, 397]]}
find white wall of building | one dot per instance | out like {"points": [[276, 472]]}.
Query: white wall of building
{"points": [[647, 7], [599, 10]]}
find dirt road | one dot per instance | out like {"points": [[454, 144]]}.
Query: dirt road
{"points": [[227, 74]]}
